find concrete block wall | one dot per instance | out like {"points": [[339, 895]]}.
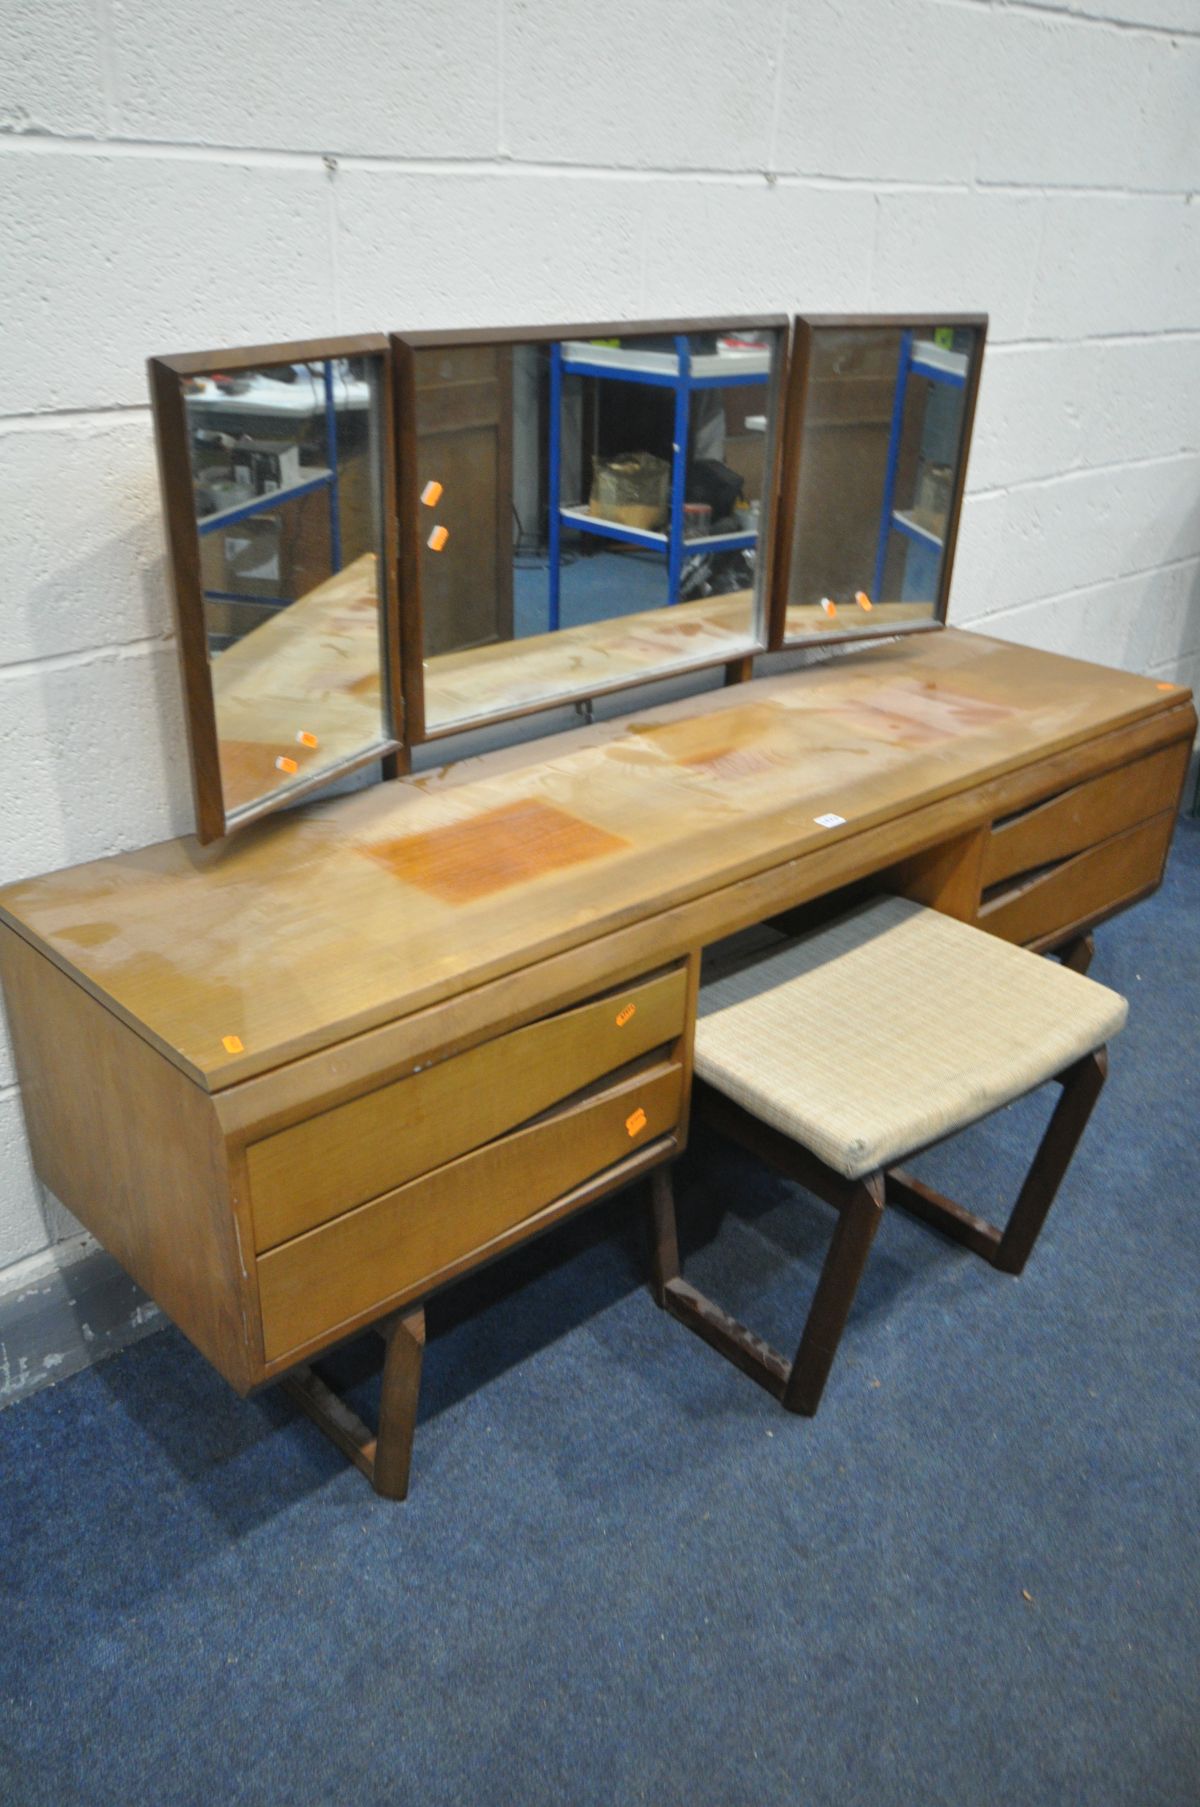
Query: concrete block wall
{"points": [[174, 176]]}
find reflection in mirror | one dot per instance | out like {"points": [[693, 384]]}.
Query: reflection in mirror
{"points": [[591, 512], [881, 463], [287, 473]]}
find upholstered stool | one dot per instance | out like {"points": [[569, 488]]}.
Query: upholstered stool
{"points": [[862, 1043]]}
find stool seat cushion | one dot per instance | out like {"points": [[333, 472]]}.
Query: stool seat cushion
{"points": [[883, 1031]]}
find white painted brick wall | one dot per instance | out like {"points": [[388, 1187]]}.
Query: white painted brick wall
{"points": [[174, 176]]}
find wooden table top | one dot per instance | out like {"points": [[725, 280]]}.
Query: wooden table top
{"points": [[340, 916]]}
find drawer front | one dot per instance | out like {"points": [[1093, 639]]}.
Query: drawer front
{"points": [[399, 1244], [1085, 815], [1087, 885], [315, 1170]]}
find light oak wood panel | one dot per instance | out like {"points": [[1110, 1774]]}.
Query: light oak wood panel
{"points": [[601, 1185], [296, 937], [946, 877], [339, 1158], [134, 1150], [1090, 884], [395, 1247], [1085, 814]]}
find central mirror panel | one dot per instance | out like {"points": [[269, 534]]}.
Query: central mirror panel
{"points": [[583, 508], [275, 474], [880, 416]]}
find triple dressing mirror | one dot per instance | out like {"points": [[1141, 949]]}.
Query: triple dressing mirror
{"points": [[879, 426], [541, 515], [276, 469], [582, 508]]}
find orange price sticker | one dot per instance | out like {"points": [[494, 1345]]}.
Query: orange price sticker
{"points": [[623, 1016], [636, 1122], [431, 495], [306, 739], [1167, 686], [232, 1044], [863, 600], [284, 764], [438, 538]]}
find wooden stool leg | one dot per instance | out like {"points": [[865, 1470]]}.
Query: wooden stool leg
{"points": [[1010, 1248], [385, 1458], [1081, 1086], [664, 1239], [799, 1384], [857, 1223]]}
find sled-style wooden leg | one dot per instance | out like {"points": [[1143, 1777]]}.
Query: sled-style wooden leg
{"points": [[385, 1457]]}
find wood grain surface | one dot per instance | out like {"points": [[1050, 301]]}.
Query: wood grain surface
{"points": [[297, 934], [396, 1246], [339, 1158]]}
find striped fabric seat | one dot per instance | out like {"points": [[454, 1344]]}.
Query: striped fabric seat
{"points": [[893, 1026]]}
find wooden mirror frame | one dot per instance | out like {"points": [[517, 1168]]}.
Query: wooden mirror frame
{"points": [[183, 544], [804, 327], [404, 345]]}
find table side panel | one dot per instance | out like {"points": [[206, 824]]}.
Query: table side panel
{"points": [[135, 1151]]}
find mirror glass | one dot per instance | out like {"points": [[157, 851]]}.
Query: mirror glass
{"points": [[589, 512], [287, 470], [881, 462]]}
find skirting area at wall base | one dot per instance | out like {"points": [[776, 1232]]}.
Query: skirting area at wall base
{"points": [[63, 1310]]}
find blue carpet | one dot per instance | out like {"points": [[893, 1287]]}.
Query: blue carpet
{"points": [[595, 586], [624, 1575]]}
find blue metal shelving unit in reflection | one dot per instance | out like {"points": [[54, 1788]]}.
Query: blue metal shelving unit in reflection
{"points": [[918, 357], [658, 371]]}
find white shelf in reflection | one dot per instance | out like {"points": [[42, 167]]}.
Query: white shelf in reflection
{"points": [[908, 521], [665, 364], [583, 518]]}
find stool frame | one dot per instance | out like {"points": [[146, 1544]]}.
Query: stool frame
{"points": [[799, 1384]]}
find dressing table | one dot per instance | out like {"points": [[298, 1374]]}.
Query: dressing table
{"points": [[298, 1079]]}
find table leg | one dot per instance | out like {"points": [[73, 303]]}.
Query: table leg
{"points": [[664, 1240], [398, 1404], [385, 1457]]}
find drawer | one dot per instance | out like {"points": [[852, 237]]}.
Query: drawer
{"points": [[1085, 815], [306, 1174], [402, 1243], [1073, 891]]}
